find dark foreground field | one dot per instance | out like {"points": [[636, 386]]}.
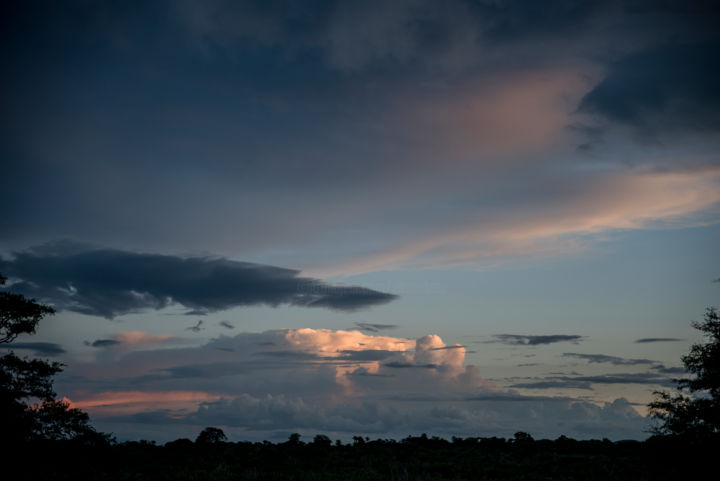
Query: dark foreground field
{"points": [[414, 458]]}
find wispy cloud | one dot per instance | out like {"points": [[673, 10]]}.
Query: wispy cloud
{"points": [[586, 382], [196, 327], [40, 348], [531, 340], [658, 339], [603, 358], [131, 340], [366, 326]]}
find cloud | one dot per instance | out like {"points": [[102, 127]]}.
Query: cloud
{"points": [[131, 401], [132, 340], [668, 86], [529, 340], [110, 282], [103, 343], [602, 358], [365, 326], [343, 382], [553, 221], [39, 348], [670, 370], [559, 384], [658, 339], [196, 327], [585, 382], [261, 417]]}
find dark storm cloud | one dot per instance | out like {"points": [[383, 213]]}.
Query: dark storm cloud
{"points": [[658, 339], [528, 340], [109, 282], [40, 348], [670, 86], [603, 358]]}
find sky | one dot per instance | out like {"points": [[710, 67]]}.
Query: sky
{"points": [[459, 218]]}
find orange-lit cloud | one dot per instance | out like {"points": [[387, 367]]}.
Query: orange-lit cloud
{"points": [[106, 403], [333, 343], [321, 362]]}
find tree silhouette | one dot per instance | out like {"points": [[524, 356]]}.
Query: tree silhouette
{"points": [[19, 315], [699, 413], [28, 405], [211, 435]]}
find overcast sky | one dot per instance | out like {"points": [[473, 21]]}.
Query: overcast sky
{"points": [[371, 218]]}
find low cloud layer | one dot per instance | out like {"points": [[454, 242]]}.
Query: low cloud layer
{"points": [[344, 383], [110, 282]]}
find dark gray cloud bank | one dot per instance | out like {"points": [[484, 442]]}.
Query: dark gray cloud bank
{"points": [[110, 282]]}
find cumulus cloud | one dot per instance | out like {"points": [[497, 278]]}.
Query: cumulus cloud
{"points": [[110, 282], [529, 340], [342, 382]]}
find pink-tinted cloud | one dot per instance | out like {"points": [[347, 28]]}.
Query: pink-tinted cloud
{"points": [[333, 343], [608, 201], [137, 339], [122, 402], [488, 121]]}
